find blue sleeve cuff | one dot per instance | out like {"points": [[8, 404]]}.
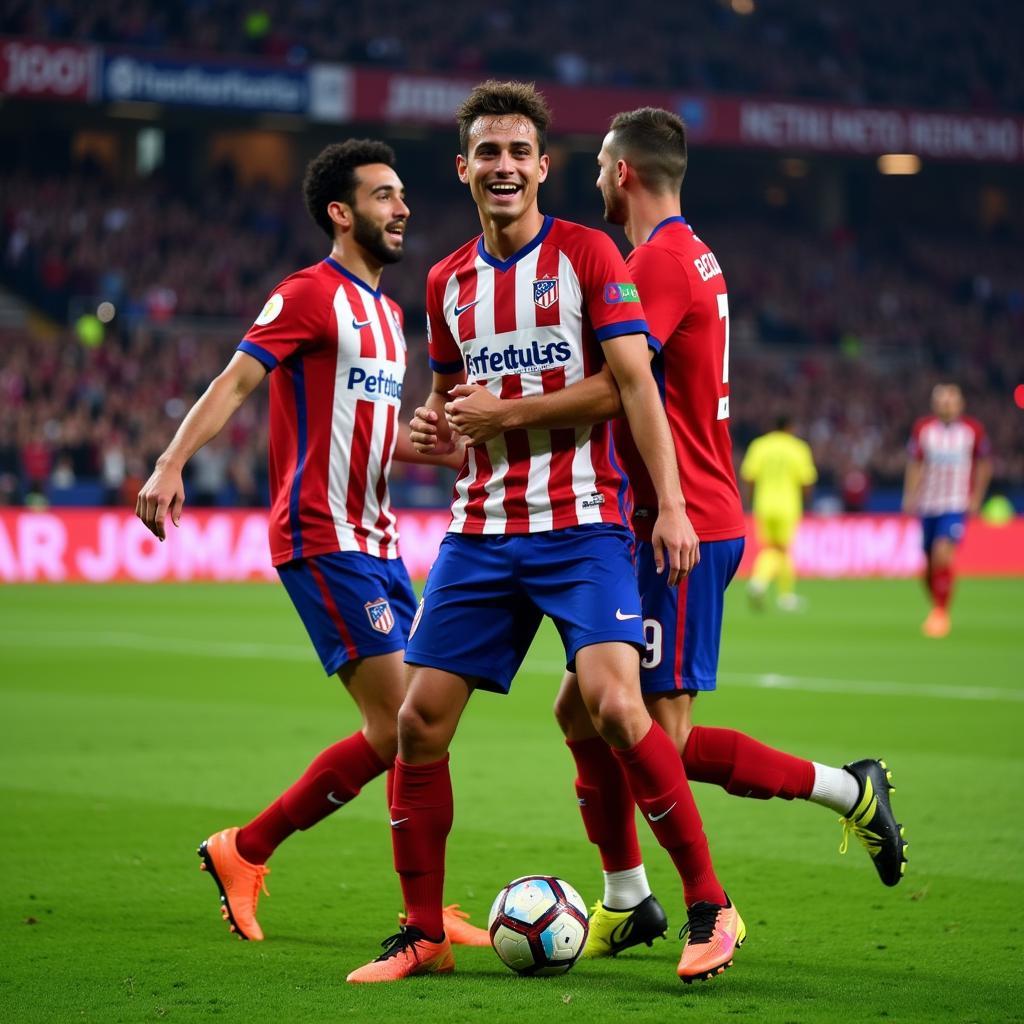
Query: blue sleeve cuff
{"points": [[623, 327], [453, 367], [654, 344], [250, 348]]}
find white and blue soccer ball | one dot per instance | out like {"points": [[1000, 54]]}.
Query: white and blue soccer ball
{"points": [[538, 925]]}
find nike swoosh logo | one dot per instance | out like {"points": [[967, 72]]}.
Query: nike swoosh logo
{"points": [[623, 618], [335, 800], [658, 817], [356, 325], [621, 932], [394, 823], [459, 310]]}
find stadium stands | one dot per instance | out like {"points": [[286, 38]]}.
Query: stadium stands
{"points": [[848, 332], [847, 326], [833, 50]]}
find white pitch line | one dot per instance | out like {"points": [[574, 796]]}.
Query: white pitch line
{"points": [[818, 684], [303, 652]]}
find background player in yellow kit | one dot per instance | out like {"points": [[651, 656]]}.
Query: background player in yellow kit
{"points": [[780, 469]]}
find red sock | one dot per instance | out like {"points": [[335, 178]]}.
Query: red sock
{"points": [[656, 777], [389, 785], [335, 777], [743, 766], [942, 586], [606, 804], [421, 818]]}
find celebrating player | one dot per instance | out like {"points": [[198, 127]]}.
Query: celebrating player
{"points": [[642, 163], [538, 519], [947, 475], [780, 469], [333, 344]]}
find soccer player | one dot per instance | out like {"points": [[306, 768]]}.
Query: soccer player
{"points": [[641, 167], [780, 469], [332, 343], [538, 520], [948, 472]]}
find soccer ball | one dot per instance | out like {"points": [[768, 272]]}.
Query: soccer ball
{"points": [[538, 925]]}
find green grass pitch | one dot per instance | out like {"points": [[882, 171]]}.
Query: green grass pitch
{"points": [[136, 721]]}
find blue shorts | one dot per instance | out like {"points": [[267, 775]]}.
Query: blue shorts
{"points": [[683, 625], [486, 596], [950, 525], [352, 605]]}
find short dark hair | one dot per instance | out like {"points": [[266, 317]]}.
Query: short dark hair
{"points": [[331, 175], [653, 141], [494, 99]]}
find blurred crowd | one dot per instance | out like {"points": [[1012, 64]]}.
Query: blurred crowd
{"points": [[847, 332], [825, 49]]}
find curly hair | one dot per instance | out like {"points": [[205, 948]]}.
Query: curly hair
{"points": [[494, 99], [654, 142], [331, 175]]}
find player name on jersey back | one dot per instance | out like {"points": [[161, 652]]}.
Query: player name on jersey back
{"points": [[529, 325]]}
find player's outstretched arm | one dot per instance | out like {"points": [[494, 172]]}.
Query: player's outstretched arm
{"points": [[628, 358], [428, 429], [911, 487], [478, 415], [982, 478], [164, 491]]}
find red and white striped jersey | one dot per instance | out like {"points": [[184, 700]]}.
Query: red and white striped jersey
{"points": [[524, 326], [338, 350], [946, 452]]}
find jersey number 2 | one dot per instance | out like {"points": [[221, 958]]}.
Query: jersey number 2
{"points": [[723, 314]]}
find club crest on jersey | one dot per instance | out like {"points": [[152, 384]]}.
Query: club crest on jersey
{"points": [[545, 292], [620, 291], [380, 616]]}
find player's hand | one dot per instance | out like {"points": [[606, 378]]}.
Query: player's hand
{"points": [[675, 544], [162, 493], [423, 431], [475, 413]]}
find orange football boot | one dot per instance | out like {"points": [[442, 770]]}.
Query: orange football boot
{"points": [[240, 883], [937, 625], [713, 933], [457, 927], [406, 954]]}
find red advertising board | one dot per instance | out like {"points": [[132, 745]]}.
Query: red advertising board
{"points": [[102, 546], [340, 92], [409, 98], [45, 70]]}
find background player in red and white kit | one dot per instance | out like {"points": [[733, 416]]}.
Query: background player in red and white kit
{"points": [[539, 518], [642, 163], [332, 343], [948, 472]]}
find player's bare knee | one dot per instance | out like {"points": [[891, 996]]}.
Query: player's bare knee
{"points": [[412, 726], [621, 720], [421, 735]]}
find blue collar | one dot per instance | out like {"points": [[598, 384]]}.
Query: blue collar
{"points": [[331, 261], [515, 257], [667, 220]]}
